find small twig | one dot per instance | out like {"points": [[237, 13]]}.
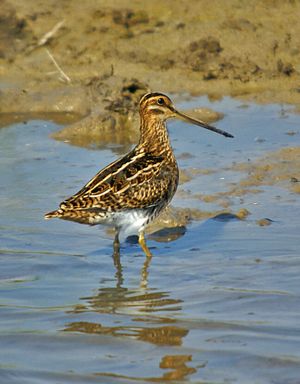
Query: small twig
{"points": [[47, 36], [62, 73]]}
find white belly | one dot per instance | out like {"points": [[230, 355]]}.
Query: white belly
{"points": [[130, 222]]}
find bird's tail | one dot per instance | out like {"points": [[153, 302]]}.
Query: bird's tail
{"points": [[53, 214]]}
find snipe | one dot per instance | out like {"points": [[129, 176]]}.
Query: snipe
{"points": [[133, 190]]}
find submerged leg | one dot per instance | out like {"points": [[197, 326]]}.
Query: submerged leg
{"points": [[143, 244]]}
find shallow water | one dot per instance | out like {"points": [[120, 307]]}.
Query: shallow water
{"points": [[221, 304]]}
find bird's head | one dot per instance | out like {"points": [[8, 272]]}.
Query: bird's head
{"points": [[159, 106]]}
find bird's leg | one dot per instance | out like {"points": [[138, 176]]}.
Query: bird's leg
{"points": [[143, 244], [117, 261], [144, 271]]}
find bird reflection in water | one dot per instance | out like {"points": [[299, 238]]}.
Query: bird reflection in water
{"points": [[144, 306], [178, 367], [168, 335]]}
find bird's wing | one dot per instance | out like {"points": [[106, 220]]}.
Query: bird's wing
{"points": [[137, 178]]}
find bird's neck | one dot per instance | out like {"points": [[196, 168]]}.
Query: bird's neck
{"points": [[154, 136]]}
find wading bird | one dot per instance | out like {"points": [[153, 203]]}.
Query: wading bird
{"points": [[130, 192]]}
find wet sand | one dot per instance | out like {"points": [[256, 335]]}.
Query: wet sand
{"points": [[109, 51]]}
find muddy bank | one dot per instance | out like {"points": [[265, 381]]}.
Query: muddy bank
{"points": [[66, 57]]}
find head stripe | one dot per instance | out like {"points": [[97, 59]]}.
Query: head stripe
{"points": [[151, 94]]}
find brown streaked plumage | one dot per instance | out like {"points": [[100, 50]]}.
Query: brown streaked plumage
{"points": [[133, 190]]}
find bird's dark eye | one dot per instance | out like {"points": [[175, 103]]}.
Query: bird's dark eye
{"points": [[160, 101]]}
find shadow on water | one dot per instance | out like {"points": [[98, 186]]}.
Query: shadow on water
{"points": [[200, 233]]}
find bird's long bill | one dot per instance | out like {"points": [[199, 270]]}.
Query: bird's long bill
{"points": [[201, 123]]}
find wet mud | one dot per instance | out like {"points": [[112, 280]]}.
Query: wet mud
{"points": [[281, 167], [66, 57]]}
